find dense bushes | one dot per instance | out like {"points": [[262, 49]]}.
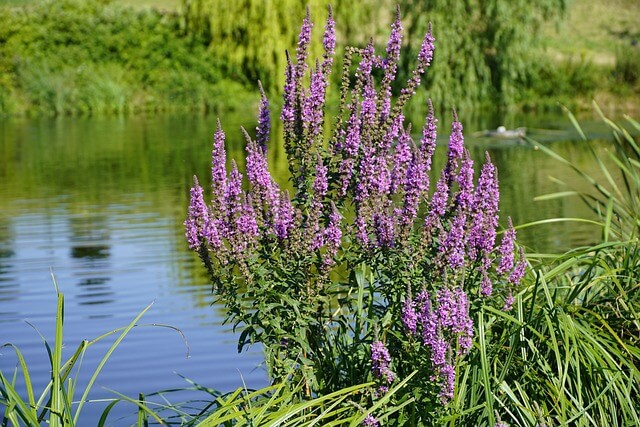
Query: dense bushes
{"points": [[71, 56]]}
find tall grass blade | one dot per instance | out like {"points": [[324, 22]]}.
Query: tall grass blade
{"points": [[104, 359]]}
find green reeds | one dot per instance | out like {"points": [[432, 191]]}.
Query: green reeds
{"points": [[56, 403]]}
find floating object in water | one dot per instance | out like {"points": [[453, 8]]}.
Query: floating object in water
{"points": [[505, 133]]}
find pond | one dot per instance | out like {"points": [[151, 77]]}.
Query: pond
{"points": [[101, 201]]}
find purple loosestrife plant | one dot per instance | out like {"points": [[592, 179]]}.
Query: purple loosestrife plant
{"points": [[363, 267]]}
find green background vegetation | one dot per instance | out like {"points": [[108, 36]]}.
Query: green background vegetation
{"points": [[115, 56]]}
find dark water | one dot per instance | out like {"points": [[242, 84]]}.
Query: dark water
{"points": [[102, 200]]}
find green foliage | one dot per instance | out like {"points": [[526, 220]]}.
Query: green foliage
{"points": [[627, 69], [488, 47], [557, 81], [85, 57], [250, 37]]}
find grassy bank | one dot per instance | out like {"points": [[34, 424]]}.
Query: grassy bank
{"points": [[75, 57]]}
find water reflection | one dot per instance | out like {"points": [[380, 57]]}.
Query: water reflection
{"points": [[90, 250], [9, 289]]}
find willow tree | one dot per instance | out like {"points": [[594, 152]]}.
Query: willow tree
{"points": [[486, 47], [250, 37]]}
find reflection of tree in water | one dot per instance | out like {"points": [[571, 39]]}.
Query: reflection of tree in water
{"points": [[8, 286], [91, 249]]}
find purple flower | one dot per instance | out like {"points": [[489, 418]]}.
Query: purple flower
{"points": [[303, 45], [448, 378], [401, 159], [213, 232], [320, 184], [360, 225], [425, 56], [508, 302], [454, 243], [506, 249], [197, 216], [429, 136], [384, 227], [256, 166], [352, 139], [333, 235], [329, 43], [456, 149], [246, 224], [284, 220], [218, 167], [409, 315], [380, 360], [312, 115], [289, 97], [264, 121], [416, 186], [518, 272], [391, 64], [233, 193], [465, 196], [486, 286], [437, 209], [484, 221], [370, 421]]}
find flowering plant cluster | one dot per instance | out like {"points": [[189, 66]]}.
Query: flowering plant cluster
{"points": [[365, 271]]}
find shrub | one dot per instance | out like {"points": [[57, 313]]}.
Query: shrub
{"points": [[360, 273]]}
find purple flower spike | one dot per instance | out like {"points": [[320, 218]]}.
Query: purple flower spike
{"points": [[360, 225], [401, 160], [409, 315], [518, 272], [486, 287], [508, 302], [213, 232], [320, 185], [197, 216], [312, 110], [289, 96], [333, 235], [429, 136], [256, 166], [426, 50], [246, 224], [506, 249], [384, 226], [465, 196], [233, 193], [370, 421], [329, 43], [456, 149], [391, 64], [380, 360], [448, 378], [264, 121], [218, 166], [285, 218], [302, 51], [454, 243]]}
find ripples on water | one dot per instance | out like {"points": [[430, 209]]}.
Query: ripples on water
{"points": [[101, 201]]}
